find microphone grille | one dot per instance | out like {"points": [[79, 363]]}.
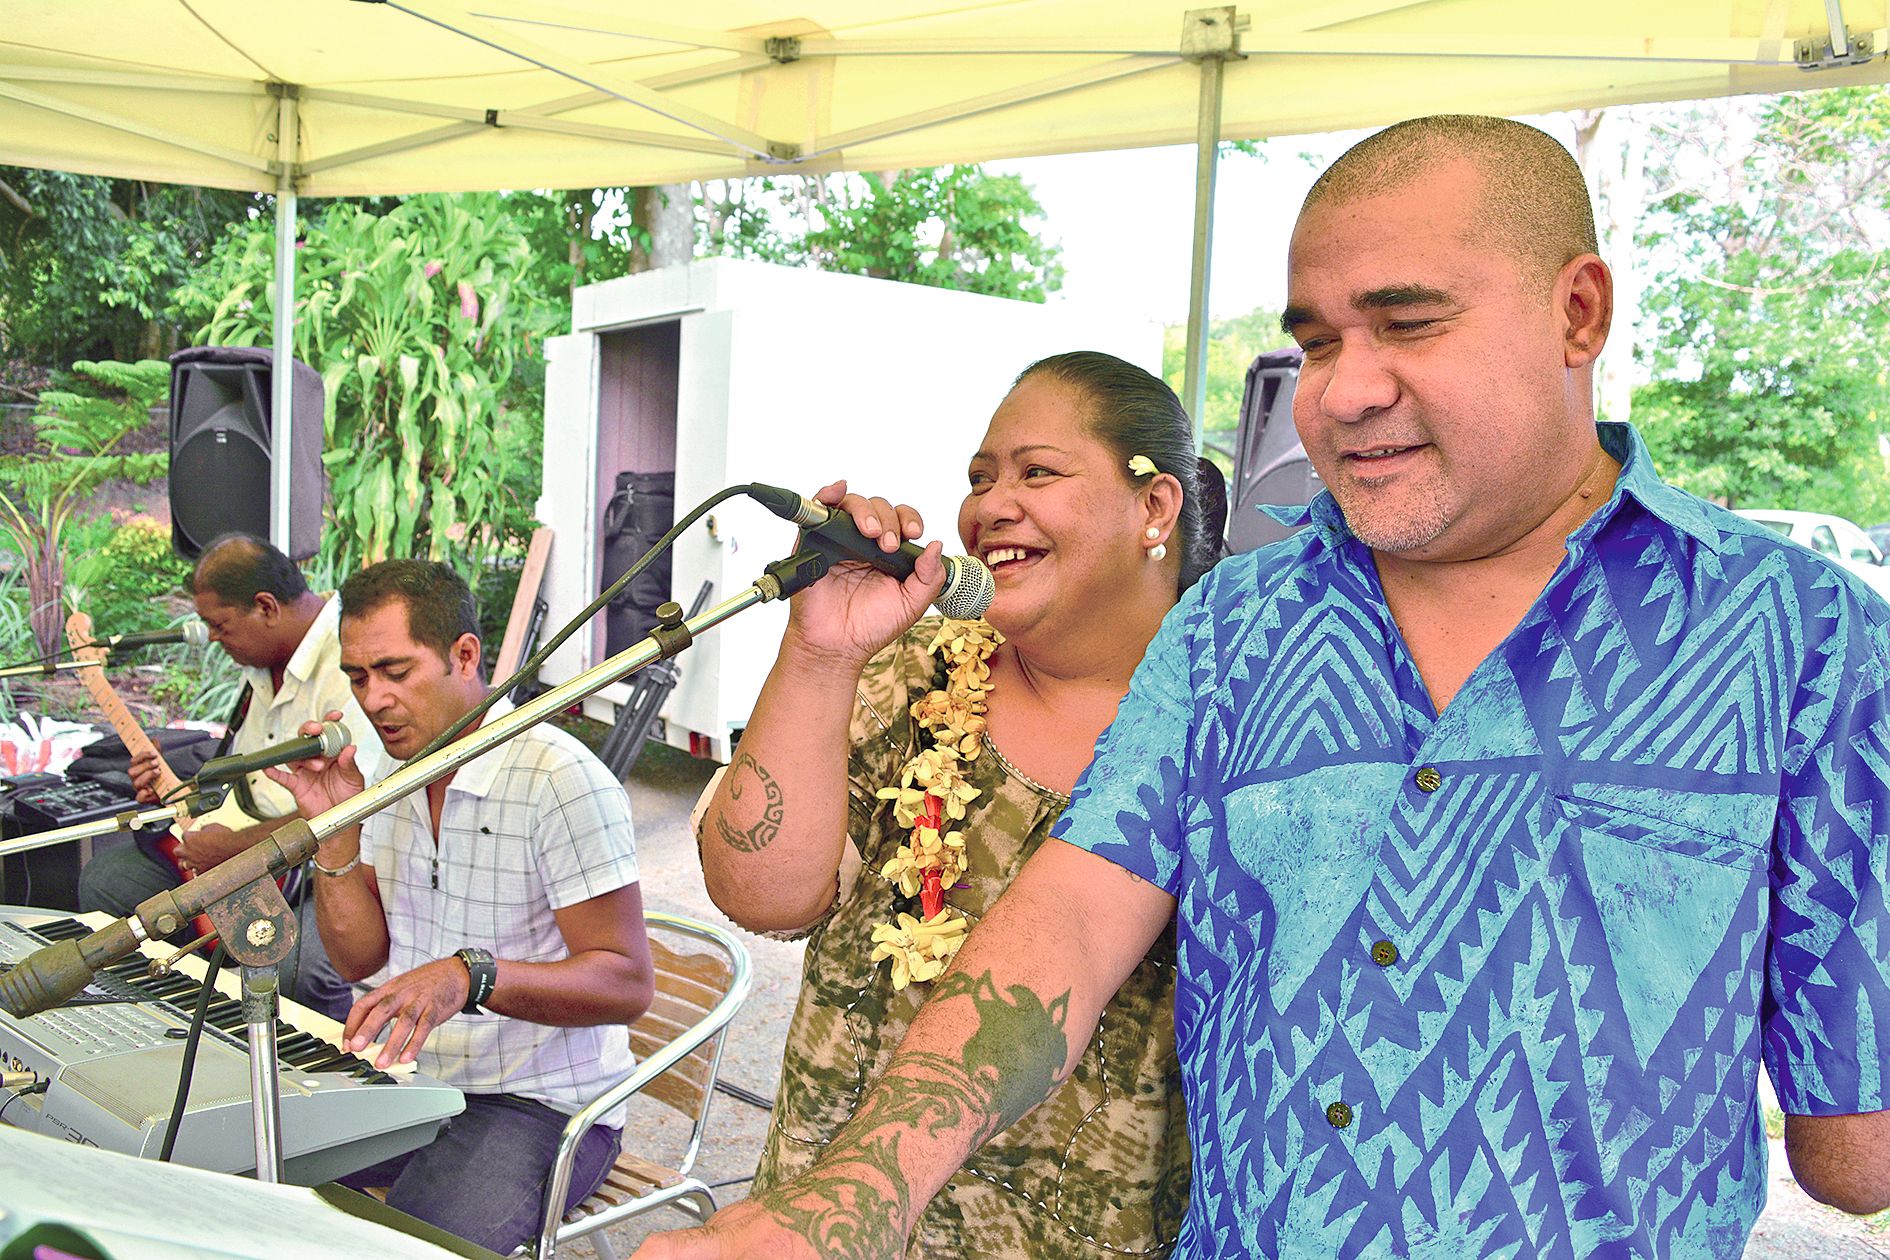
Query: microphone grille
{"points": [[196, 633], [334, 738], [969, 587]]}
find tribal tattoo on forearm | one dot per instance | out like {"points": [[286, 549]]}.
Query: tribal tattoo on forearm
{"points": [[856, 1202], [749, 782]]}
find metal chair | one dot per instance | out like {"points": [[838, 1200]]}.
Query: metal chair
{"points": [[678, 1044]]}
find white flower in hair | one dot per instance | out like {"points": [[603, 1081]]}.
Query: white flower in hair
{"points": [[1142, 466]]}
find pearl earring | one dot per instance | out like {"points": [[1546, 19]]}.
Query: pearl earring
{"points": [[1158, 552]]}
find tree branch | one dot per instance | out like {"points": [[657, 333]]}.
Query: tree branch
{"points": [[19, 203]]}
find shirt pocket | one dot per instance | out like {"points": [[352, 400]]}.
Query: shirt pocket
{"points": [[1665, 912], [1740, 839]]}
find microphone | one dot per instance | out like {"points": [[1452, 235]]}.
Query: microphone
{"points": [[330, 742], [969, 585], [192, 631]]}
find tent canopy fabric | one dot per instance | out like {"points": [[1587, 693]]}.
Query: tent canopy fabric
{"points": [[341, 97], [437, 95]]}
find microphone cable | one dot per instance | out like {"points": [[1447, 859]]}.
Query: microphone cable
{"points": [[530, 667], [25, 1091], [188, 1067]]}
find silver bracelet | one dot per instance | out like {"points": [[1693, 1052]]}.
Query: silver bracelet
{"points": [[339, 871]]}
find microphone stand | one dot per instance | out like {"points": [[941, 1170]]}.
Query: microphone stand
{"points": [[240, 896], [201, 801], [46, 668]]}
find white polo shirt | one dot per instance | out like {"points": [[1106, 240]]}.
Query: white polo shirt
{"points": [[313, 686], [533, 826]]}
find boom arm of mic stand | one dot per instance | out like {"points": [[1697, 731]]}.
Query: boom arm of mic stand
{"points": [[196, 803], [52, 975]]}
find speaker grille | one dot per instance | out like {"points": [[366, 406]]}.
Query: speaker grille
{"points": [[220, 449], [219, 483]]}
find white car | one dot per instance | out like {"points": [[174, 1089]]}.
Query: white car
{"points": [[1832, 537]]}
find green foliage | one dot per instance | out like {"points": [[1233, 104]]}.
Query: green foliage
{"points": [[577, 236], [1233, 345], [954, 227], [1771, 380], [419, 320], [16, 633], [76, 433], [123, 575], [89, 265], [201, 682], [764, 219]]}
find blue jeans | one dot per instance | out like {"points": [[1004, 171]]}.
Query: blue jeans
{"points": [[483, 1177], [118, 880]]}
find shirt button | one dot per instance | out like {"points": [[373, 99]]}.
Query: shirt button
{"points": [[1384, 953], [1339, 1115], [1428, 780]]}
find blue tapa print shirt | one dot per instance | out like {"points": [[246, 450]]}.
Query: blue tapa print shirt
{"points": [[1498, 983]]}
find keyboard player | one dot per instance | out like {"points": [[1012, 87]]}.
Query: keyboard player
{"points": [[259, 610], [497, 912]]}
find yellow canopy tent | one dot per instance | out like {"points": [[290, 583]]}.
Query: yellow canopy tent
{"points": [[326, 97]]}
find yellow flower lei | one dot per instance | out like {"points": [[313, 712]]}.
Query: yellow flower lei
{"points": [[932, 794]]}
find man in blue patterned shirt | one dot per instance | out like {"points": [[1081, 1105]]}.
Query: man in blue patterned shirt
{"points": [[1511, 813]]}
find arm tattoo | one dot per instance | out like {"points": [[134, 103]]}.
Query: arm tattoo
{"points": [[744, 775], [856, 1202]]}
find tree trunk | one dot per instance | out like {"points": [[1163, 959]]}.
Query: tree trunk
{"points": [[668, 213], [580, 216]]}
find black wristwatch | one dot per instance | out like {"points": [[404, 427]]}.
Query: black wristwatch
{"points": [[484, 971]]}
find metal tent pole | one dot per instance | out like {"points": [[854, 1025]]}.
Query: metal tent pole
{"points": [[1208, 37], [281, 377]]}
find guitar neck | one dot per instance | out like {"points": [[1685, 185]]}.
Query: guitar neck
{"points": [[79, 635]]}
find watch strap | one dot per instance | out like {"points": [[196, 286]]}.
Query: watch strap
{"points": [[484, 970]]}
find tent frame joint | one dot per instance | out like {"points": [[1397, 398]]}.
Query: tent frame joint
{"points": [[1212, 34], [1820, 54], [783, 48], [783, 151]]}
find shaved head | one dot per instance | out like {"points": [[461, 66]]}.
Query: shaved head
{"points": [[1533, 205]]}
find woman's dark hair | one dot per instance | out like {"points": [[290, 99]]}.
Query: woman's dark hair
{"points": [[1214, 506], [1134, 413]]}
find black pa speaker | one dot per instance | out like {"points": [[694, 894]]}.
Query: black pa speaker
{"points": [[220, 444]]}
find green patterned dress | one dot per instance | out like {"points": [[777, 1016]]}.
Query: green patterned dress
{"points": [[1101, 1168]]}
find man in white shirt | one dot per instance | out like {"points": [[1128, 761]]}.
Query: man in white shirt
{"points": [[497, 911], [259, 609]]}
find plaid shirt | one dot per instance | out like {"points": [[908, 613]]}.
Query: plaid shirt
{"points": [[531, 827]]}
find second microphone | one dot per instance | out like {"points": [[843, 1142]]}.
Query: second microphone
{"points": [[333, 738]]}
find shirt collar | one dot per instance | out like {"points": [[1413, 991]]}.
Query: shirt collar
{"points": [[321, 632], [306, 661], [1637, 480], [477, 776]]}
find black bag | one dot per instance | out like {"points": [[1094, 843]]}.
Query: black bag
{"points": [[639, 513]]}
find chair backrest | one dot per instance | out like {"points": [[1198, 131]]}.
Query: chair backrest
{"points": [[688, 985]]}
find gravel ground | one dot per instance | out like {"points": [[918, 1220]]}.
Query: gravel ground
{"points": [[664, 786]]}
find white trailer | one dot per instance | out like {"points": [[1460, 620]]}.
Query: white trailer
{"points": [[727, 371]]}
